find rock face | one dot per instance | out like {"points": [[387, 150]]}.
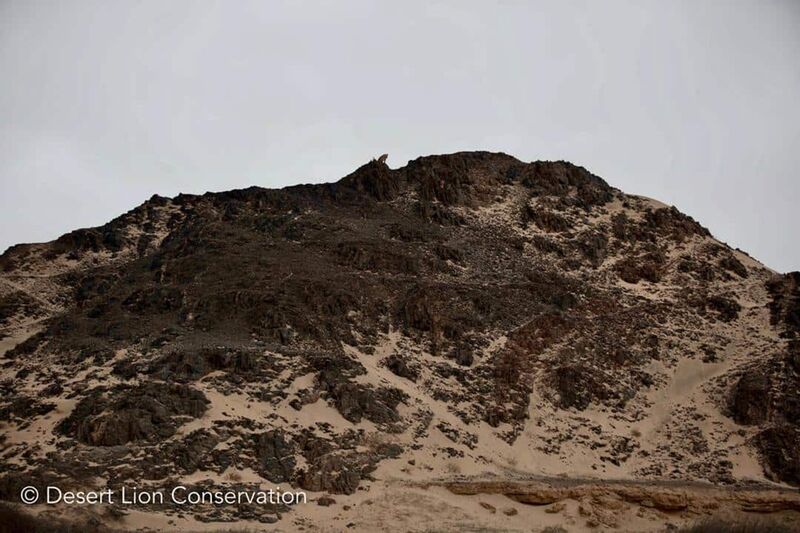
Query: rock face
{"points": [[466, 309], [778, 406]]}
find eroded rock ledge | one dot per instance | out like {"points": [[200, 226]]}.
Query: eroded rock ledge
{"points": [[667, 496]]}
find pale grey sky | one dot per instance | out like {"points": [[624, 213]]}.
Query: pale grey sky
{"points": [[104, 103]]}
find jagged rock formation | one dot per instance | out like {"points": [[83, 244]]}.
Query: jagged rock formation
{"points": [[466, 312]]}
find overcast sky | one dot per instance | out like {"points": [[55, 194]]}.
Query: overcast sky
{"points": [[104, 103]]}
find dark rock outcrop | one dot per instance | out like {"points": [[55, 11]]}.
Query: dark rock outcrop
{"points": [[275, 455], [152, 411], [781, 454], [750, 399]]}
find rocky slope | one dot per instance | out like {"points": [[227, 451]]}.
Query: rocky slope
{"points": [[467, 315]]}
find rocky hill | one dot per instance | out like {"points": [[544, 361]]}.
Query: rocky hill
{"points": [[374, 340]]}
